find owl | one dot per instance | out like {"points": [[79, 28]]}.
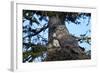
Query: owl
{"points": [[66, 40]]}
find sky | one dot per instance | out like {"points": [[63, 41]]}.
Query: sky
{"points": [[78, 29]]}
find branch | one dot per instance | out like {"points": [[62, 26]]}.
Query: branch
{"points": [[28, 44], [83, 38], [37, 32]]}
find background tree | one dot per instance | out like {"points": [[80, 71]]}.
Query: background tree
{"points": [[46, 37]]}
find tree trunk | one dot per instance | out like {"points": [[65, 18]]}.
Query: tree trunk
{"points": [[61, 45]]}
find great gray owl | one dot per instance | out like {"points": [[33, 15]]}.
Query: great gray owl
{"points": [[66, 40]]}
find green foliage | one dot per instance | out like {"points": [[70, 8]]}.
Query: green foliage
{"points": [[36, 51], [39, 48]]}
